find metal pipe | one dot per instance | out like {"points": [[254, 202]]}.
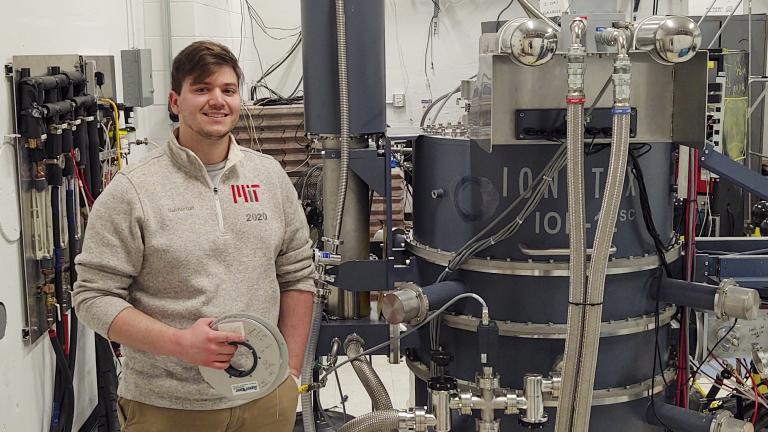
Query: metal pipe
{"points": [[534, 12], [727, 300], [725, 24], [534, 410], [706, 14], [441, 409], [756, 105]]}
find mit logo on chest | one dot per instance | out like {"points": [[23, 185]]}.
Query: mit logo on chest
{"points": [[245, 193]]}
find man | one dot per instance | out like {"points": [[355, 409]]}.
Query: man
{"points": [[200, 229]]}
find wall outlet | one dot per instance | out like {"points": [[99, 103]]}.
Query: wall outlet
{"points": [[398, 100]]}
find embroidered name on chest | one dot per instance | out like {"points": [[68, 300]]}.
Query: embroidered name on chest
{"points": [[245, 193], [180, 209]]}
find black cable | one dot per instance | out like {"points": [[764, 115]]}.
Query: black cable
{"points": [[73, 251], [283, 59], [645, 206], [341, 395], [498, 17]]}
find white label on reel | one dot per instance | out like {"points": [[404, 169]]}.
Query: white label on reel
{"points": [[245, 388], [232, 327]]}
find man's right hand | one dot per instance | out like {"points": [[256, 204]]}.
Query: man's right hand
{"points": [[203, 346]]}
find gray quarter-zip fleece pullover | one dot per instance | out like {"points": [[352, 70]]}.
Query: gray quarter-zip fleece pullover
{"points": [[165, 239]]}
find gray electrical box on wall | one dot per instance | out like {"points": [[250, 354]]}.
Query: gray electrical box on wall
{"points": [[137, 77]]}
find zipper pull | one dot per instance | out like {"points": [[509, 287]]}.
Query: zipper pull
{"points": [[215, 190]]}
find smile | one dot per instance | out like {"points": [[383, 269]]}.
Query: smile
{"points": [[216, 115]]}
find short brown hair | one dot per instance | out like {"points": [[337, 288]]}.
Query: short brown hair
{"points": [[199, 61]]}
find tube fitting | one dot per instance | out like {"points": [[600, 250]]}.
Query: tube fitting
{"points": [[725, 422], [416, 419], [410, 302], [733, 301], [406, 304], [533, 385], [441, 388]]}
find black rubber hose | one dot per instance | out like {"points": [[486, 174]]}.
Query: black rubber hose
{"points": [[81, 144], [679, 419], [67, 143], [95, 161], [57, 277], [74, 249], [690, 294], [52, 151], [67, 404]]}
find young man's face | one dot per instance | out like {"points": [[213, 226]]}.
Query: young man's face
{"points": [[210, 108]]}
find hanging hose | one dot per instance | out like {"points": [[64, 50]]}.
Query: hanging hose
{"points": [[373, 422], [74, 249], [577, 220], [94, 159], [341, 39], [368, 377], [307, 416], [592, 302]]}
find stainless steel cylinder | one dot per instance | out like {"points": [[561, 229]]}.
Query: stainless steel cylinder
{"points": [[532, 389], [441, 410], [668, 39], [528, 42], [354, 227], [734, 301], [404, 305]]}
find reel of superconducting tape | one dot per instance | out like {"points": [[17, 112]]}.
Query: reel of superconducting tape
{"points": [[260, 364]]}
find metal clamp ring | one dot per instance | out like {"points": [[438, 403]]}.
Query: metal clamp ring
{"points": [[239, 373]]}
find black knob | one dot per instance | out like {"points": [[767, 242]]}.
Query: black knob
{"points": [[442, 383], [442, 358]]}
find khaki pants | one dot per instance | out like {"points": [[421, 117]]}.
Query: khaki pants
{"points": [[275, 412]]}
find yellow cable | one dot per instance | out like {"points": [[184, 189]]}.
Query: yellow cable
{"points": [[116, 114], [698, 388]]}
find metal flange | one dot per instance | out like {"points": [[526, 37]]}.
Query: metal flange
{"points": [[558, 331], [535, 268]]}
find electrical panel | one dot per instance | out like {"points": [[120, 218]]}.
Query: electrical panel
{"points": [[137, 77], [67, 144]]}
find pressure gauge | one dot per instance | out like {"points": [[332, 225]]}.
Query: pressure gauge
{"points": [[260, 364]]}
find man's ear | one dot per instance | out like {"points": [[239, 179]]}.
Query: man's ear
{"points": [[173, 106]]}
